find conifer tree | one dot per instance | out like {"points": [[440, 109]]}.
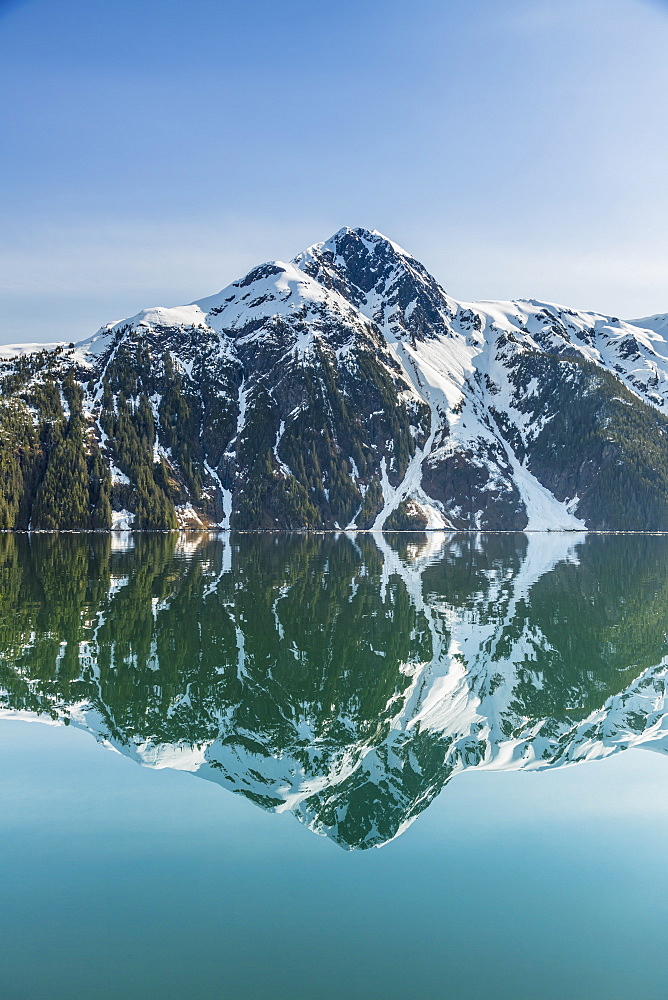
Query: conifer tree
{"points": [[63, 498]]}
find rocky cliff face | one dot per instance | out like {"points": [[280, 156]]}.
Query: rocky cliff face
{"points": [[344, 389]]}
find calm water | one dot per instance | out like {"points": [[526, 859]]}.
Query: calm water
{"points": [[387, 727]]}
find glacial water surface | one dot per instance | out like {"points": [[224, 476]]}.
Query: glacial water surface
{"points": [[435, 766]]}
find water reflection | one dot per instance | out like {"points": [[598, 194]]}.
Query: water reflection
{"points": [[348, 678]]}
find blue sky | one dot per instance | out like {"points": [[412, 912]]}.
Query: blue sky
{"points": [[154, 152]]}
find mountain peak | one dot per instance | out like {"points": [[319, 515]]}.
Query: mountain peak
{"points": [[358, 261], [371, 239], [383, 280], [350, 244]]}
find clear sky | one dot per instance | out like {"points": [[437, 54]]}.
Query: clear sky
{"points": [[153, 152]]}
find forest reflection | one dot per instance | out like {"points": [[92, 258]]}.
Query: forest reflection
{"points": [[347, 677]]}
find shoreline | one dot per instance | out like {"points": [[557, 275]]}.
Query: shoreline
{"points": [[329, 531]]}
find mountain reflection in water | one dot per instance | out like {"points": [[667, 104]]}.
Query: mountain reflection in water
{"points": [[346, 678]]}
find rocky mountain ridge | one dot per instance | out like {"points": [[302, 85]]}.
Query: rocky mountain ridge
{"points": [[342, 390]]}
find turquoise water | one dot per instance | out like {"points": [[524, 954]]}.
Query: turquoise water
{"points": [[386, 728]]}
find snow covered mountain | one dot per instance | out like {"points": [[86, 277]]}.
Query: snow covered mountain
{"points": [[345, 679], [345, 389]]}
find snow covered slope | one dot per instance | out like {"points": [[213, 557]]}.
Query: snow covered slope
{"points": [[347, 389]]}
